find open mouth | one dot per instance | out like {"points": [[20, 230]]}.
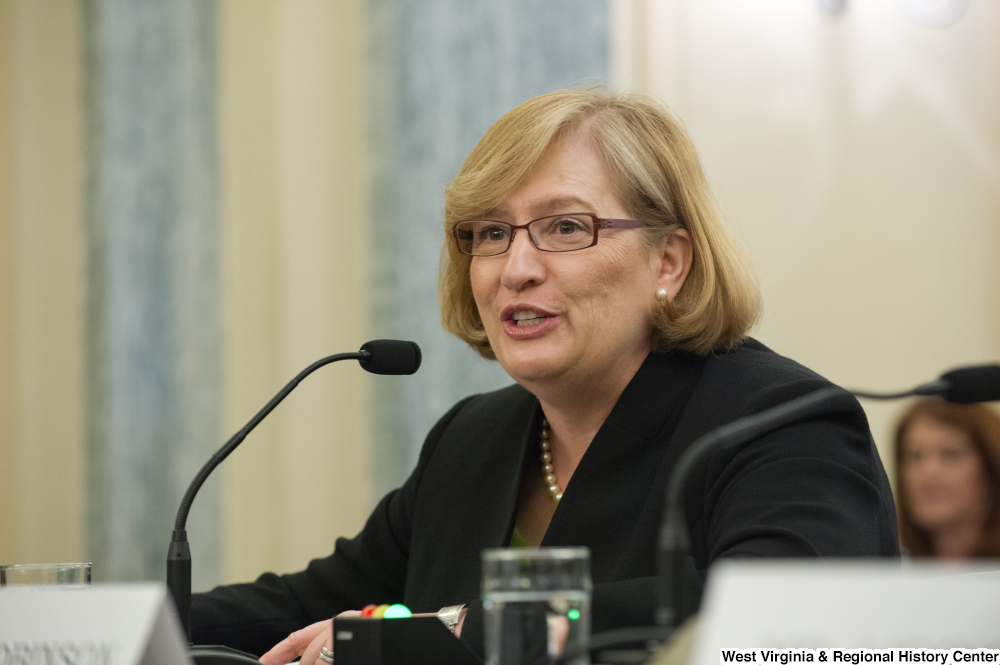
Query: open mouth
{"points": [[523, 321], [527, 318]]}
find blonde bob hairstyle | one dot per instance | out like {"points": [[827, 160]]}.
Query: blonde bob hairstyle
{"points": [[658, 179]]}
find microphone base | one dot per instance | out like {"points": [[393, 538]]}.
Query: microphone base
{"points": [[220, 655], [179, 579]]}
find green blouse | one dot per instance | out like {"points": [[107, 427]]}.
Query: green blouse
{"points": [[517, 540]]}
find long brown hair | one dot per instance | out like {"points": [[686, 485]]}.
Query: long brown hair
{"points": [[982, 426]]}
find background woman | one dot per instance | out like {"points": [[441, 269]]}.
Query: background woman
{"points": [[948, 479], [583, 251]]}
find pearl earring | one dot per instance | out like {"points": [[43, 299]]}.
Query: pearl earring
{"points": [[662, 294]]}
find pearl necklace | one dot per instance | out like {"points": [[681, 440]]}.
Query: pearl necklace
{"points": [[547, 468]]}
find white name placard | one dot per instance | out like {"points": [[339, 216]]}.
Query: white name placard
{"points": [[848, 612], [128, 624]]}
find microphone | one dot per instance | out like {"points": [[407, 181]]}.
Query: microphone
{"points": [[964, 385], [391, 356], [380, 356]]}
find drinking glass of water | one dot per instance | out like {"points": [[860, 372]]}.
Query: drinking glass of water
{"points": [[29, 575], [537, 605]]}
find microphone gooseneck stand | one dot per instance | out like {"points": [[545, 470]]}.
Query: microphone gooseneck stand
{"points": [[965, 385], [674, 605], [383, 356]]}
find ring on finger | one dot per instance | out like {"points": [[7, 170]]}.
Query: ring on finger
{"points": [[326, 655]]}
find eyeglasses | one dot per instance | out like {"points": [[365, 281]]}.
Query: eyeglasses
{"points": [[556, 233]]}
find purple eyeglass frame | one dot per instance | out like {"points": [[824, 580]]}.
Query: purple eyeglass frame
{"points": [[599, 223]]}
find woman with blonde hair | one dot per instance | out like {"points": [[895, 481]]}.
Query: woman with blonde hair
{"points": [[584, 252], [948, 480]]}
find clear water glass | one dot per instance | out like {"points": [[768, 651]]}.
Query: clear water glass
{"points": [[30, 575], [537, 605]]}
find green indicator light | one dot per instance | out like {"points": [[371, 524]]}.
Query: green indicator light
{"points": [[403, 612], [573, 614]]}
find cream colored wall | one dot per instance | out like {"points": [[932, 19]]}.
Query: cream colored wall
{"points": [[295, 276], [41, 424], [858, 156], [9, 542], [293, 165]]}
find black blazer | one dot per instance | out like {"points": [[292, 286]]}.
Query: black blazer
{"points": [[816, 488]]}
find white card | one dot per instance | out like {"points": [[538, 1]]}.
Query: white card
{"points": [[118, 624], [846, 604]]}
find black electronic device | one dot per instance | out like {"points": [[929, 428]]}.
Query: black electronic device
{"points": [[406, 641]]}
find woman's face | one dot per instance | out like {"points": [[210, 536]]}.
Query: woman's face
{"points": [[585, 314], [943, 475]]}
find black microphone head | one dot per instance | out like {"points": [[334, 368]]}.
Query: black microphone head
{"points": [[391, 356], [968, 385]]}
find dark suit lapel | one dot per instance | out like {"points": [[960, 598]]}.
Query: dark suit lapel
{"points": [[470, 504], [615, 478]]}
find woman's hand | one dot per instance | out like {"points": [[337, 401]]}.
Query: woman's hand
{"points": [[306, 643]]}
